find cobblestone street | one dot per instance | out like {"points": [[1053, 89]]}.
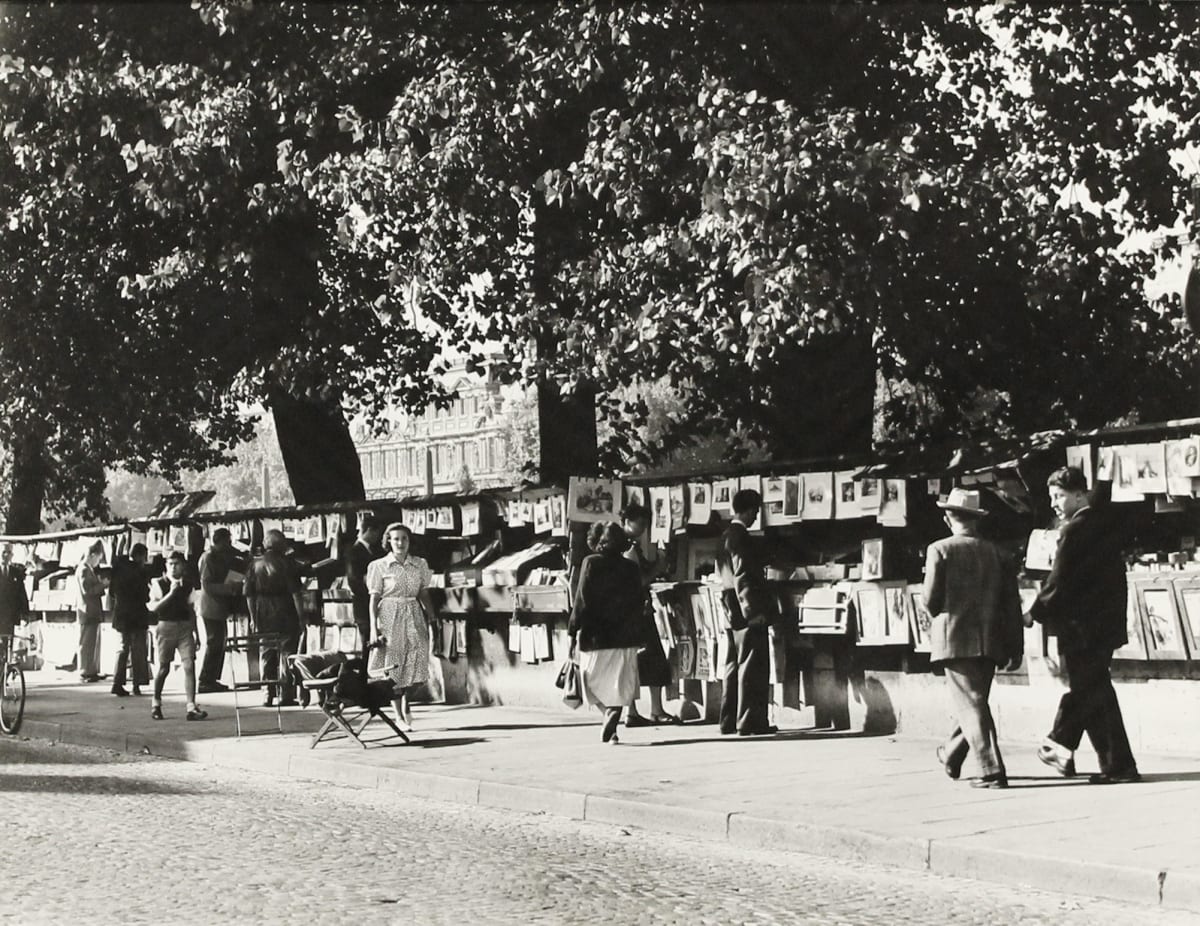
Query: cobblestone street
{"points": [[92, 836]]}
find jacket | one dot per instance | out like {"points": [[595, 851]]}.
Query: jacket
{"points": [[130, 590], [14, 602], [216, 597], [971, 590], [359, 557], [1083, 599], [744, 579], [607, 613]]}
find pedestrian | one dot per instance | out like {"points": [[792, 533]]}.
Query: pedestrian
{"points": [[606, 624], [89, 609], [971, 591], [364, 551], [14, 600], [401, 611], [174, 633], [1083, 602], [751, 607], [220, 586], [654, 671], [131, 618], [273, 597]]}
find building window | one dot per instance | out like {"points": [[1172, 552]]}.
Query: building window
{"points": [[364, 463]]}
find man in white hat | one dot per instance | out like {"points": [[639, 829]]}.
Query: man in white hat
{"points": [[971, 590]]}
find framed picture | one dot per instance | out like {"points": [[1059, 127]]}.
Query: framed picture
{"points": [[1160, 619], [870, 613], [920, 619], [872, 559], [896, 605], [1187, 597], [824, 610], [590, 500], [1136, 647]]}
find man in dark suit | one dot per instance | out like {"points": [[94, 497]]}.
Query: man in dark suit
{"points": [[364, 550], [14, 603], [746, 684], [1083, 602]]}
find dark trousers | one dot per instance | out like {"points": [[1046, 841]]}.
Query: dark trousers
{"points": [[1090, 706], [132, 659], [213, 666], [746, 686]]}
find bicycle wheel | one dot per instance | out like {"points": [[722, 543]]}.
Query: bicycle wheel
{"points": [[12, 699]]}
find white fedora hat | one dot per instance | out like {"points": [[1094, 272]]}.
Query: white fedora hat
{"points": [[965, 501]]}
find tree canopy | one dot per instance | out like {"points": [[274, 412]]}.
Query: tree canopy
{"points": [[772, 207]]}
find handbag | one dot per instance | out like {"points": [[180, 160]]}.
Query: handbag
{"points": [[569, 681]]}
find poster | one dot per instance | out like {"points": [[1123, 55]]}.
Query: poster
{"points": [[677, 496], [1081, 458], [660, 514], [558, 515], [591, 500], [1150, 477], [470, 519], [1106, 464], [542, 516], [722, 496], [635, 495], [1124, 474], [818, 496], [793, 497], [870, 499], [1179, 477], [773, 492], [893, 509], [1040, 549], [699, 503], [845, 498]]}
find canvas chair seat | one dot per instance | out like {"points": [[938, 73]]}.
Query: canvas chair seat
{"points": [[348, 697]]}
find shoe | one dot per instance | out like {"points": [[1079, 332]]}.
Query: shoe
{"points": [[765, 731], [614, 740], [728, 732], [196, 714], [89, 678], [637, 720], [288, 702], [1115, 778], [120, 691], [1049, 755], [212, 688], [668, 719], [990, 781], [156, 713], [952, 771], [269, 699], [137, 691]]}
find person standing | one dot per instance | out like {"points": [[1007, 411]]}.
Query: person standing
{"points": [[14, 600], [174, 633], [89, 609], [654, 671], [1083, 602], [364, 551], [131, 618], [401, 611], [605, 622], [745, 688], [971, 591], [273, 596], [216, 598]]}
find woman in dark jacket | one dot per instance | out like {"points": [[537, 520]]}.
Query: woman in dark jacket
{"points": [[131, 619], [605, 624]]}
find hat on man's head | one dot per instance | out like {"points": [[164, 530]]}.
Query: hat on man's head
{"points": [[964, 501]]}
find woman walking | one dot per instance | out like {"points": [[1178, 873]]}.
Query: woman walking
{"points": [[400, 611], [605, 622]]}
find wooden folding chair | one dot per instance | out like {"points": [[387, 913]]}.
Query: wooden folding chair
{"points": [[348, 698]]}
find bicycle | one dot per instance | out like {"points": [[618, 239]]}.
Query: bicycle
{"points": [[12, 684]]}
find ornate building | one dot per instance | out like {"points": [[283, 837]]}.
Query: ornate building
{"points": [[471, 433]]}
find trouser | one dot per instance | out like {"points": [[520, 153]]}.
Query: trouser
{"points": [[171, 637], [746, 685], [969, 683], [132, 658], [89, 647], [214, 651], [1090, 706], [273, 662]]}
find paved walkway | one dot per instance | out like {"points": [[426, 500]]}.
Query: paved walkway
{"points": [[880, 799]]}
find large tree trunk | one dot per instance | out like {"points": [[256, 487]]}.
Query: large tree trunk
{"points": [[318, 451], [566, 434], [28, 486]]}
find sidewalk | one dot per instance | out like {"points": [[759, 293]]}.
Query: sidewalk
{"points": [[876, 799]]}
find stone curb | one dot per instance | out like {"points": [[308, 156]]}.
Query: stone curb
{"points": [[1178, 890]]}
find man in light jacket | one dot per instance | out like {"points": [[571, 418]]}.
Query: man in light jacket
{"points": [[971, 589]]}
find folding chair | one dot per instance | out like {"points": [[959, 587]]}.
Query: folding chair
{"points": [[349, 699], [246, 649]]}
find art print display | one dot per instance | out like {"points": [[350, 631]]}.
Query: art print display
{"points": [[818, 496], [773, 493], [542, 520], [871, 615], [677, 499], [1124, 475], [920, 620], [470, 519], [845, 500], [1041, 548], [699, 503], [872, 559], [893, 509], [591, 500], [1150, 476], [793, 497], [896, 604], [314, 530], [635, 495], [1160, 620], [722, 496], [1179, 469], [1106, 464], [870, 498], [1081, 458], [1187, 594], [558, 515], [420, 520], [1135, 648], [660, 514]]}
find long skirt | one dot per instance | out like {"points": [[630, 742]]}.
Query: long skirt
{"points": [[403, 623], [609, 676]]}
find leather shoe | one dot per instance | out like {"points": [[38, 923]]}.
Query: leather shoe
{"points": [[952, 771], [1050, 756], [156, 713], [119, 691], [1115, 778], [637, 720], [213, 688], [765, 731], [990, 781]]}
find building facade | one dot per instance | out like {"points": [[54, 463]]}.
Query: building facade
{"points": [[443, 444]]}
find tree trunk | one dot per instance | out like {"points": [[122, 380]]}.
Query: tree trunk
{"points": [[318, 451], [566, 434], [28, 486]]}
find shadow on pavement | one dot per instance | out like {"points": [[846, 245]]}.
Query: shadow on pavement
{"points": [[446, 741], [87, 784], [528, 726], [20, 752]]}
